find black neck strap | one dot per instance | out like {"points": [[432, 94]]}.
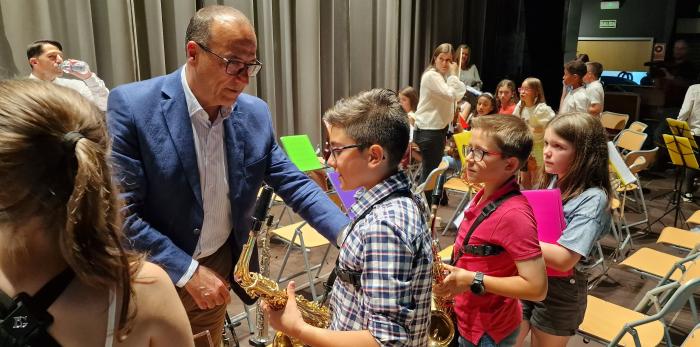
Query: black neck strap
{"points": [[485, 213], [334, 274], [53, 288]]}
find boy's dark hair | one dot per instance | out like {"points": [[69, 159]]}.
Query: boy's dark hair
{"points": [[596, 68], [509, 133], [373, 117], [576, 67], [36, 48]]}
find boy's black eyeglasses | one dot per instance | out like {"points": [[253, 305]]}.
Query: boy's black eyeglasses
{"points": [[335, 151], [477, 153], [236, 67]]}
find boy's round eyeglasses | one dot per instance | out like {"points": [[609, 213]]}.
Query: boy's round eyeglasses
{"points": [[477, 153]]}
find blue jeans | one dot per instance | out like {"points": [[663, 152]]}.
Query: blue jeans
{"points": [[487, 341]]}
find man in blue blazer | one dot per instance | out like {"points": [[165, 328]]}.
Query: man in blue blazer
{"points": [[191, 152]]}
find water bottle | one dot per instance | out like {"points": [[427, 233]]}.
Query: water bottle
{"points": [[77, 66]]}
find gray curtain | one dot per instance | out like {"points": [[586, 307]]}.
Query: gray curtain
{"points": [[314, 51]]}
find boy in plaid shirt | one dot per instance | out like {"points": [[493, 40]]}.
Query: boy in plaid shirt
{"points": [[382, 293]]}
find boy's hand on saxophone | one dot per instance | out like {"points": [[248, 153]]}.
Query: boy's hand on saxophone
{"points": [[287, 320], [457, 281]]}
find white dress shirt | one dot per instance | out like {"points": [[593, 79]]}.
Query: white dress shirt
{"points": [[437, 100], [575, 101], [596, 94], [211, 161]]}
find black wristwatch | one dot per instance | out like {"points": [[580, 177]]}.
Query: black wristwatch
{"points": [[477, 286]]}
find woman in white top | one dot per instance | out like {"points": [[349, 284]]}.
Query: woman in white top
{"points": [[440, 89], [533, 109], [60, 214], [469, 74]]}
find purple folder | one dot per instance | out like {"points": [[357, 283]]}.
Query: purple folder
{"points": [[547, 206], [347, 197]]}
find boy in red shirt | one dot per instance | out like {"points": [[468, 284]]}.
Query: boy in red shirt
{"points": [[501, 260]]}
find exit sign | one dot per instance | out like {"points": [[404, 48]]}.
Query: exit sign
{"points": [[610, 5], [608, 23]]}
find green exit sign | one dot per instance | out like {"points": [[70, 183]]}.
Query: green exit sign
{"points": [[609, 5], [608, 24]]}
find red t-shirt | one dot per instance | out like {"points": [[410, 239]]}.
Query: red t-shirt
{"points": [[512, 226], [507, 109]]}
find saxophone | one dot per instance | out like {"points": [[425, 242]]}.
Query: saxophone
{"points": [[257, 285], [261, 337], [442, 329]]}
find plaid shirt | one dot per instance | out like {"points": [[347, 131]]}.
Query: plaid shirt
{"points": [[391, 247]]}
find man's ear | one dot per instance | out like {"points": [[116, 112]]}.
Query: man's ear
{"points": [[33, 61], [191, 50]]}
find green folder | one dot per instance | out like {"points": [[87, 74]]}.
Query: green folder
{"points": [[301, 152]]}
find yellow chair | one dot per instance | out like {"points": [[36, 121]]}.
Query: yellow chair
{"points": [[304, 237], [660, 265], [630, 140], [695, 218], [679, 238], [693, 339], [614, 122], [638, 126], [638, 161], [615, 325], [446, 253]]}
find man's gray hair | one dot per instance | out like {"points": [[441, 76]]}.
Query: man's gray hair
{"points": [[198, 30]]}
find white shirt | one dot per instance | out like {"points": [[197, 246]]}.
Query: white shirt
{"points": [[690, 111], [575, 101], [437, 100], [92, 88], [595, 91], [211, 160], [536, 118], [470, 77]]}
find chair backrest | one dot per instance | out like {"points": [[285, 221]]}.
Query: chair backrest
{"points": [[613, 121], [631, 140], [641, 160], [429, 183], [638, 126], [693, 339], [301, 152], [347, 197], [461, 140]]}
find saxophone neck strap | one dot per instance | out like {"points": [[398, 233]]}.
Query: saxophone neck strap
{"points": [[482, 250], [352, 276]]}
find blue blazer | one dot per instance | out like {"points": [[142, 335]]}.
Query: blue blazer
{"points": [[155, 164]]}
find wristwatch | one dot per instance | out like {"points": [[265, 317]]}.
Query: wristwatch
{"points": [[477, 286]]}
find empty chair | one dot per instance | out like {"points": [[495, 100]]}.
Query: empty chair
{"points": [[613, 122], [630, 140]]}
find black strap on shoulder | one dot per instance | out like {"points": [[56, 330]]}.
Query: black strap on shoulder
{"points": [[24, 320], [483, 250], [352, 276]]}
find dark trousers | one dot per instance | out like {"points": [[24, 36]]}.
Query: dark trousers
{"points": [[690, 174], [432, 148]]}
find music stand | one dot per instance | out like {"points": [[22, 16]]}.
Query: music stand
{"points": [[680, 150]]}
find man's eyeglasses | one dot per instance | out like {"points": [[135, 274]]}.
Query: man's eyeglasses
{"points": [[477, 153], [335, 151], [236, 67]]}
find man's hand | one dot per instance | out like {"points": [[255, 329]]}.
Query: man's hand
{"points": [[208, 289], [287, 320], [82, 76], [456, 282]]}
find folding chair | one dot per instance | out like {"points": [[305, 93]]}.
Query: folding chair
{"points": [[694, 218], [638, 161], [613, 122], [638, 126], [630, 140], [693, 339], [649, 262], [612, 324], [428, 185], [305, 237], [683, 240], [456, 183]]}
